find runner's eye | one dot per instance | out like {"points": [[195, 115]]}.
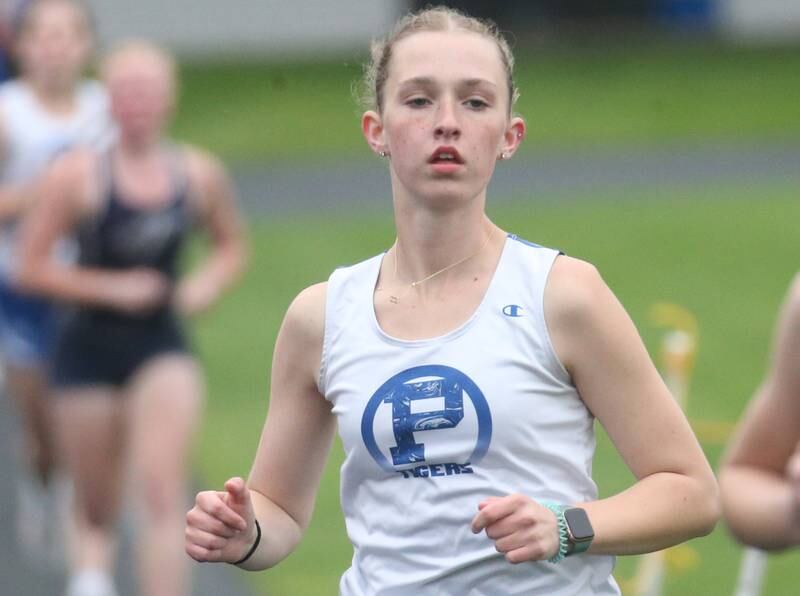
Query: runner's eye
{"points": [[418, 102], [476, 104]]}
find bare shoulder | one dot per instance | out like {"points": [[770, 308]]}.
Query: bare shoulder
{"points": [[574, 291], [305, 317], [205, 170], [584, 318], [209, 182], [298, 349], [311, 298], [202, 163]]}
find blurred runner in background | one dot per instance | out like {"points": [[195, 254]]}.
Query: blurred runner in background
{"points": [[128, 388], [760, 475], [46, 111]]}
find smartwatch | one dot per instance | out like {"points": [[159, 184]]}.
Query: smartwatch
{"points": [[579, 530]]}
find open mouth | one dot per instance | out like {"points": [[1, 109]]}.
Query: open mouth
{"points": [[446, 155]]}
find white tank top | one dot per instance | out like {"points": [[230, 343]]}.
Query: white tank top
{"points": [[33, 137], [432, 427]]}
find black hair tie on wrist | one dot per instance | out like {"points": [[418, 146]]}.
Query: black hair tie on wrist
{"points": [[252, 548]]}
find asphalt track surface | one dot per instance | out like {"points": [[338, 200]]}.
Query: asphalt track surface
{"points": [[21, 575], [283, 189], [363, 184]]}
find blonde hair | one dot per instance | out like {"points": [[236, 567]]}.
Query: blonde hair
{"points": [[439, 18], [140, 47]]}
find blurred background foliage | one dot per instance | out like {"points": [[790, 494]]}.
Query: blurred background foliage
{"points": [[571, 97]]}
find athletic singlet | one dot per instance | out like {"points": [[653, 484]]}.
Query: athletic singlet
{"points": [[123, 236], [33, 137], [432, 427], [102, 346]]}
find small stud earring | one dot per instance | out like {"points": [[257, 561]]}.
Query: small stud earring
{"points": [[383, 153], [504, 155]]}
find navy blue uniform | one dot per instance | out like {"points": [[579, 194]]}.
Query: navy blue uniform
{"points": [[100, 346]]}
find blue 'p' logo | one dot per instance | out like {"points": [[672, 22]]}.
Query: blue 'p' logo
{"points": [[424, 399]]}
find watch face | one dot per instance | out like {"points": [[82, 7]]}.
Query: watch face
{"points": [[578, 522]]}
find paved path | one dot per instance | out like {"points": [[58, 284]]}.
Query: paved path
{"points": [[363, 184], [21, 576]]}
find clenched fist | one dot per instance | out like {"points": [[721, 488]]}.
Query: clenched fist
{"points": [[521, 528], [221, 525]]}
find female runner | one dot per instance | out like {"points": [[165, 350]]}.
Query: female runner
{"points": [[126, 383], [49, 108], [464, 368]]}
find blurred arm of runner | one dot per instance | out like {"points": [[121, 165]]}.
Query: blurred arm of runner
{"points": [[674, 497], [70, 193], [291, 456], [760, 474], [16, 198], [214, 193]]}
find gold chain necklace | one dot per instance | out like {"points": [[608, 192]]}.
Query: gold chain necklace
{"points": [[414, 284]]}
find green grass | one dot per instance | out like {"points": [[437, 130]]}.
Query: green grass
{"points": [[726, 253], [636, 94]]}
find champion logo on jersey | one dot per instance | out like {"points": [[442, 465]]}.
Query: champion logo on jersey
{"points": [[513, 310], [426, 422]]}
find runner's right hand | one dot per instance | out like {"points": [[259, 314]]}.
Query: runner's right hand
{"points": [[221, 525]]}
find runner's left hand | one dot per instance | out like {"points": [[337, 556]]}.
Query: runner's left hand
{"points": [[521, 528], [195, 295]]}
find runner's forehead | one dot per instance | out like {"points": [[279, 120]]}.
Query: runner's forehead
{"points": [[446, 56], [49, 14], [137, 63]]}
